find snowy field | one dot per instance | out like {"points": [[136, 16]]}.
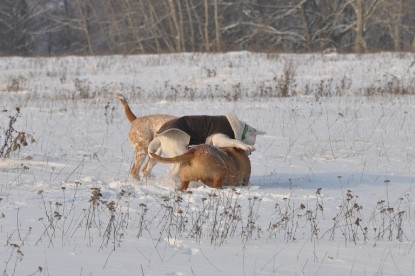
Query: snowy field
{"points": [[332, 184]]}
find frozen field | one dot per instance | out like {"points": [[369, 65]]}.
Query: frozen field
{"points": [[332, 184]]}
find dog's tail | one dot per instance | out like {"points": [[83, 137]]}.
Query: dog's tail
{"points": [[130, 115], [187, 156]]}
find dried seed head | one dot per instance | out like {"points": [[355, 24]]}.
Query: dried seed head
{"points": [[96, 192], [57, 215], [96, 195], [111, 206]]}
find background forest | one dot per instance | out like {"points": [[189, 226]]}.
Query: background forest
{"points": [[60, 27]]}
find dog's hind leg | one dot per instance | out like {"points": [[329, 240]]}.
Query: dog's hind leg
{"points": [[184, 185], [154, 145], [222, 141], [217, 183], [139, 158], [172, 143], [148, 166], [175, 149]]}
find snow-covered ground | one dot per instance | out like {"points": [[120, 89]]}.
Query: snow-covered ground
{"points": [[332, 181]]}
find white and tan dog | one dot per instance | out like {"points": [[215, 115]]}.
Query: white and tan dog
{"points": [[142, 132], [215, 167], [176, 135]]}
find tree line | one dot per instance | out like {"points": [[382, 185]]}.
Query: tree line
{"points": [[60, 27]]}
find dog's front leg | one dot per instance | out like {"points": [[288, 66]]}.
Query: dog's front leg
{"points": [[223, 141]]}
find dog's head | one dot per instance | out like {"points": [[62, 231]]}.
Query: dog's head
{"points": [[249, 134], [242, 130]]}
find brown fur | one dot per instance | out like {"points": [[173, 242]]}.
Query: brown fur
{"points": [[215, 167], [142, 132]]}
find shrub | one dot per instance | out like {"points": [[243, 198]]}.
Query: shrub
{"points": [[13, 140]]}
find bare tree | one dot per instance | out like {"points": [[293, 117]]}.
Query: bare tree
{"points": [[191, 34], [392, 18], [148, 26], [175, 26], [206, 26], [307, 33], [360, 21], [218, 35], [21, 26], [83, 13]]}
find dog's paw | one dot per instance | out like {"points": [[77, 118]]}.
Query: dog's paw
{"points": [[136, 177], [248, 148]]}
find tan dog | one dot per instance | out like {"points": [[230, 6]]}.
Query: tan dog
{"points": [[142, 132], [225, 131], [215, 167]]}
